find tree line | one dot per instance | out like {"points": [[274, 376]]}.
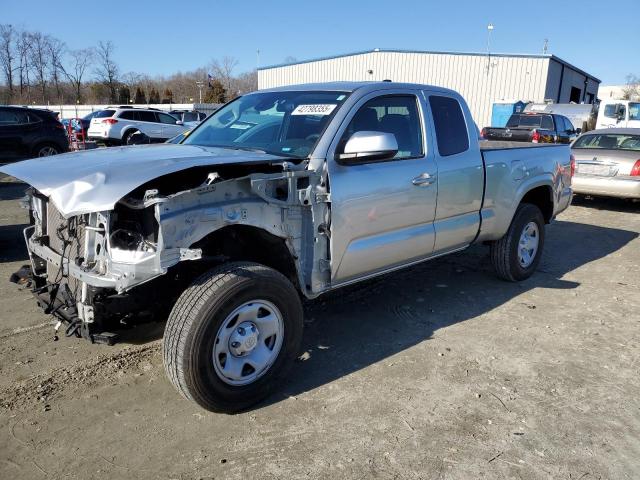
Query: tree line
{"points": [[37, 68]]}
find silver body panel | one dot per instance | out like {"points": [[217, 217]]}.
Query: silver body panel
{"points": [[345, 224]]}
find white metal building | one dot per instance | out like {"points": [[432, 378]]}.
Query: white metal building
{"points": [[480, 77]]}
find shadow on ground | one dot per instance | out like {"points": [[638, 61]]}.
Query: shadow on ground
{"points": [[357, 326], [12, 190], [350, 329], [607, 203]]}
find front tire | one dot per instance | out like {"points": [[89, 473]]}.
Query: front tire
{"points": [[516, 255], [232, 336]]}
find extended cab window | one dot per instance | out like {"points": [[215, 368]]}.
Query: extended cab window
{"points": [[451, 129], [396, 114]]}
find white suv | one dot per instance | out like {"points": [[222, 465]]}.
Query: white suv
{"points": [[116, 125]]}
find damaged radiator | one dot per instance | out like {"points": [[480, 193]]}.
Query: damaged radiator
{"points": [[60, 232]]}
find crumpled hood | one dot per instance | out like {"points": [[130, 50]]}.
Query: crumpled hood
{"points": [[94, 180]]}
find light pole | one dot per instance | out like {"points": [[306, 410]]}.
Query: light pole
{"points": [[200, 84], [257, 59], [489, 76], [489, 30]]}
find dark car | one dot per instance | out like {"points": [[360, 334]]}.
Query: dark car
{"points": [[535, 128], [29, 132]]}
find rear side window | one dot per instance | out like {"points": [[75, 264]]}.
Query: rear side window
{"points": [[451, 129], [547, 123], [104, 114], [147, 117], [128, 115], [13, 117]]}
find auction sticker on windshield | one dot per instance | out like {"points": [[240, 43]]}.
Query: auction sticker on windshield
{"points": [[316, 109]]}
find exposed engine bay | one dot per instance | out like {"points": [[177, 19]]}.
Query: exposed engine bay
{"points": [[99, 271]]}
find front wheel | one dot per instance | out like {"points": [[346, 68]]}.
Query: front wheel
{"points": [[232, 335], [516, 255]]}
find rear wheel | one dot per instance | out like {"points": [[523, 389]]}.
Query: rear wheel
{"points": [[232, 336], [127, 136], [46, 150], [516, 255]]}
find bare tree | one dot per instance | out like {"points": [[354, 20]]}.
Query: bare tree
{"points": [[632, 89], [224, 71], [56, 51], [79, 62], [39, 60], [23, 47], [246, 82], [107, 70], [7, 56]]}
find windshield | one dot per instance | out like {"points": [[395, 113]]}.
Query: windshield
{"points": [[609, 141], [281, 123], [634, 111]]}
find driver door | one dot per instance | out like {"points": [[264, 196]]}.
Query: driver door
{"points": [[382, 213]]}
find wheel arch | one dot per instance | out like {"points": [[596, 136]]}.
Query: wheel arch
{"points": [[542, 197], [249, 243]]}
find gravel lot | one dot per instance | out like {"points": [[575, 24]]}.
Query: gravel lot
{"points": [[437, 372]]}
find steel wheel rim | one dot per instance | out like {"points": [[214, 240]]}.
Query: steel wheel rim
{"points": [[248, 342], [47, 152], [528, 244]]}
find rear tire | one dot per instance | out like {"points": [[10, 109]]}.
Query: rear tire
{"points": [[516, 255], [46, 150], [204, 320], [127, 136]]}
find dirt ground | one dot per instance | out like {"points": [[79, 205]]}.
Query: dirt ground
{"points": [[437, 372]]}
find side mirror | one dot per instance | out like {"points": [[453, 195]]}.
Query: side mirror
{"points": [[366, 146], [179, 122], [578, 131]]}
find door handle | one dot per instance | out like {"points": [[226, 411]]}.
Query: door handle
{"points": [[423, 180]]}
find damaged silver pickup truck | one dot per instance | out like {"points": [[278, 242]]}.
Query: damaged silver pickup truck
{"points": [[279, 195]]}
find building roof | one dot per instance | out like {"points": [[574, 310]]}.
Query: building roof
{"points": [[480, 54], [353, 86]]}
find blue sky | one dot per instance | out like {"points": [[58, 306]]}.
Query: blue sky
{"points": [[161, 37]]}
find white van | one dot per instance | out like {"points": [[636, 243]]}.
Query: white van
{"points": [[619, 114]]}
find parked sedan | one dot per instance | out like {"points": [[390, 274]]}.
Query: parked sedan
{"points": [[30, 132], [608, 163]]}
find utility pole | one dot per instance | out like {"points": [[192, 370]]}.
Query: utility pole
{"points": [[200, 84]]}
